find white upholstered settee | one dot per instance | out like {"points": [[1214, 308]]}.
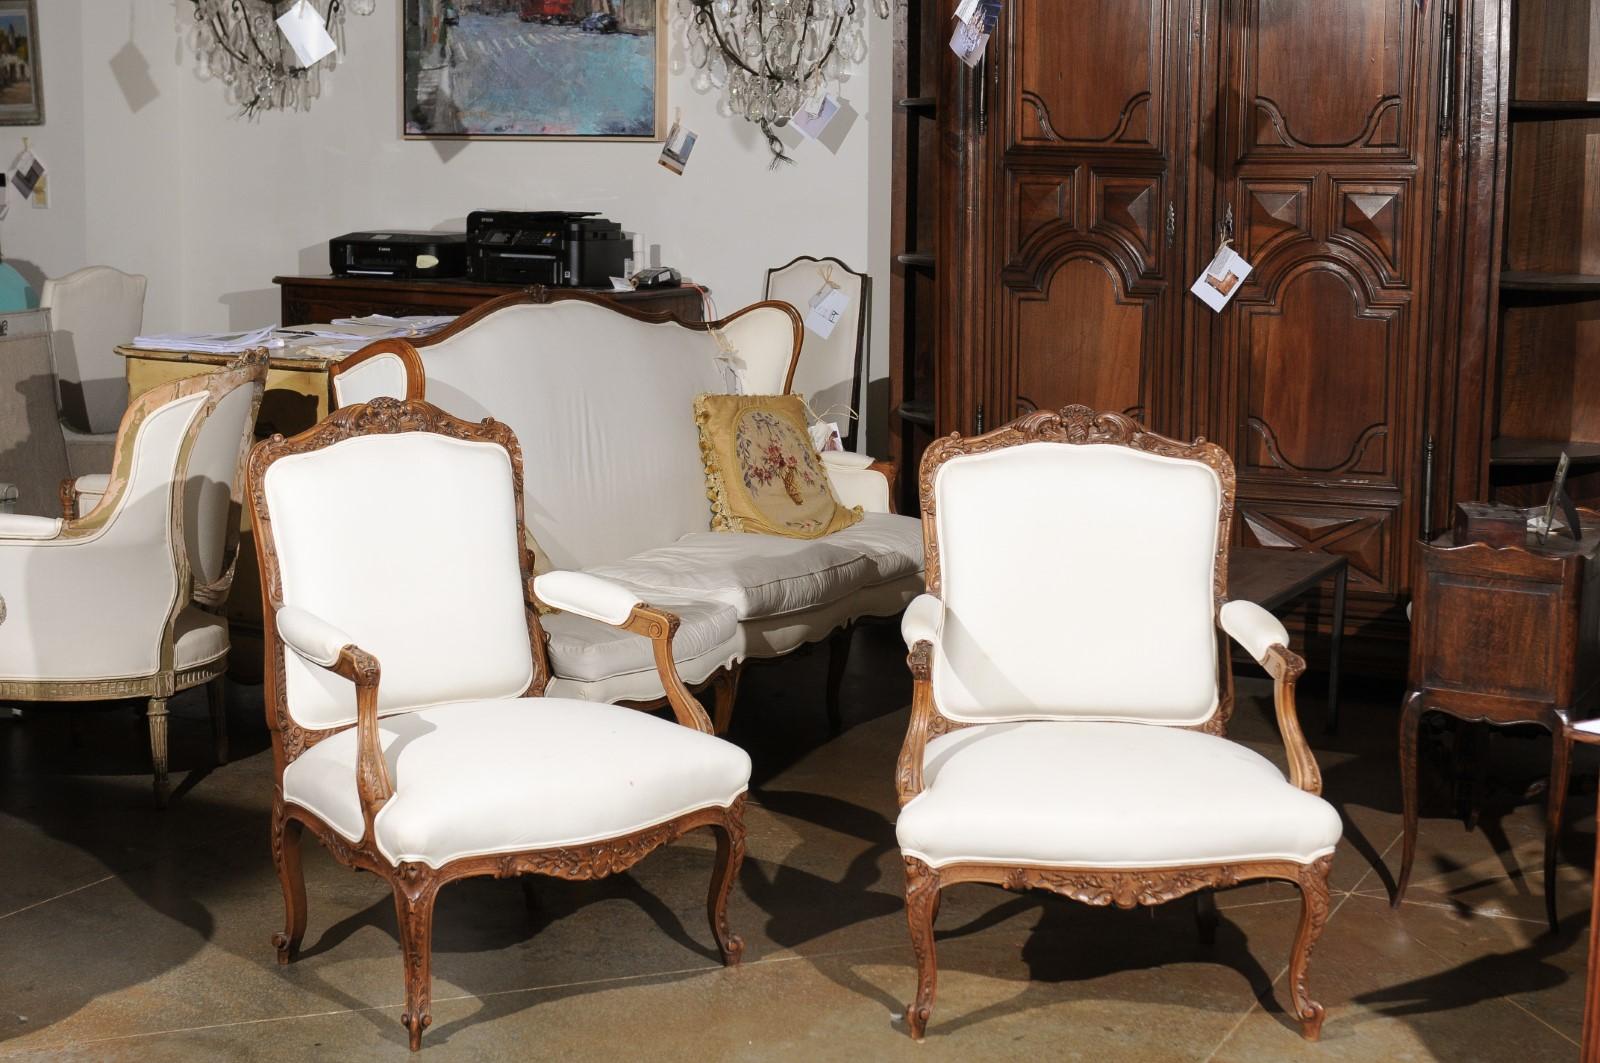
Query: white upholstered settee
{"points": [[601, 399]]}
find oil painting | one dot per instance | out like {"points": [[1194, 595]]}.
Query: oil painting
{"points": [[521, 69], [21, 90]]}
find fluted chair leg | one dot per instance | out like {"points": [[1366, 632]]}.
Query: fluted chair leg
{"points": [[217, 701], [156, 720]]}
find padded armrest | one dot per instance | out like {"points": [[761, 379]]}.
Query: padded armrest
{"points": [[23, 526], [846, 459], [1253, 628], [88, 491], [310, 636], [586, 595], [859, 485], [923, 621]]}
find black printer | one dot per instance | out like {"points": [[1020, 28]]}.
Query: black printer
{"points": [[398, 253], [559, 249]]}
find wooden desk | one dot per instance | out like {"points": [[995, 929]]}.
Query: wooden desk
{"points": [[1274, 578], [1504, 635], [310, 299]]}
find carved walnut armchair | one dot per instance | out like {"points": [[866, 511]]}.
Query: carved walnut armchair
{"points": [[1072, 691], [124, 600], [405, 664]]}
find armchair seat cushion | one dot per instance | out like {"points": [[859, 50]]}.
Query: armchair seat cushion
{"points": [[199, 638], [767, 575], [479, 777], [1080, 794], [589, 651]]}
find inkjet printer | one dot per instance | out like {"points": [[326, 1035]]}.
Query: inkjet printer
{"points": [[554, 248]]}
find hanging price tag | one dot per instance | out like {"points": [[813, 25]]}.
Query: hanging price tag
{"points": [[826, 309], [1222, 278]]}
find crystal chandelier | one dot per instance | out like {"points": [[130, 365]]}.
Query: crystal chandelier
{"points": [[238, 41], [770, 57]]}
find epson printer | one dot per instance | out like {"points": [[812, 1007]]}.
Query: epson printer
{"points": [[554, 248]]}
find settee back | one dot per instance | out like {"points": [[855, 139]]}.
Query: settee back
{"points": [[602, 401]]}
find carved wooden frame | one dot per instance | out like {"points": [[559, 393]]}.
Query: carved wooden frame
{"points": [[416, 885], [1124, 887], [539, 295], [248, 368]]}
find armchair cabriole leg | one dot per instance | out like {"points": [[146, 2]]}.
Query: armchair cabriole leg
{"points": [[286, 857], [1205, 916], [922, 907], [1314, 904], [217, 701], [725, 694], [838, 660], [1410, 714], [156, 720], [730, 855], [414, 893]]}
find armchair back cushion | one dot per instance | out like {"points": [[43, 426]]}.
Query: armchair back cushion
{"points": [[1090, 598], [441, 606], [213, 478], [603, 405], [91, 311]]}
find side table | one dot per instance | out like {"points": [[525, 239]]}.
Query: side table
{"points": [[1274, 578]]}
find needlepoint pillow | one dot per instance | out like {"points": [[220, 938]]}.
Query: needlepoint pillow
{"points": [[763, 473]]}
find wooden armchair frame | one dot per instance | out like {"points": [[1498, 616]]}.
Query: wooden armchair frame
{"points": [[1124, 887], [416, 885]]}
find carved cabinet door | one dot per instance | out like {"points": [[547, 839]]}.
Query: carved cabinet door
{"points": [[1325, 182], [1076, 264]]}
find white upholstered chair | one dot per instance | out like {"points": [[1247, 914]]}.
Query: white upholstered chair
{"points": [[829, 372], [453, 765], [124, 601], [92, 311], [1072, 691]]}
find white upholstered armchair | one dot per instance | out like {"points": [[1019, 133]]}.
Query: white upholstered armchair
{"points": [[1072, 692], [405, 664], [123, 601]]}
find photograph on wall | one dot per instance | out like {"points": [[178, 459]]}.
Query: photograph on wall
{"points": [[515, 69], [21, 92]]}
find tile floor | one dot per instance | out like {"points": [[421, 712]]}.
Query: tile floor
{"points": [[130, 934]]}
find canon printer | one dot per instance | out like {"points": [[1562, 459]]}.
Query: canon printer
{"points": [[554, 248], [396, 253]]}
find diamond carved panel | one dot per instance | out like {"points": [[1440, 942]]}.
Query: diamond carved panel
{"points": [[1371, 218], [1359, 535], [1275, 213]]}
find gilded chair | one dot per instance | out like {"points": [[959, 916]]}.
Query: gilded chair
{"points": [[1072, 689], [92, 310], [454, 765], [125, 600]]}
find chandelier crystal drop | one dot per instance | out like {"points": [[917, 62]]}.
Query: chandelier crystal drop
{"points": [[238, 43], [768, 58]]}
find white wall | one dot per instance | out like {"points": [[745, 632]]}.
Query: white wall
{"points": [[152, 171]]}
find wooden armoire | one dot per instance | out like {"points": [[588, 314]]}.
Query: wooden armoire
{"points": [[1358, 153]]}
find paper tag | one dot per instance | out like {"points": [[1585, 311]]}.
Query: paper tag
{"points": [[810, 124], [827, 307], [825, 436], [1222, 279], [306, 33], [966, 9], [621, 284], [675, 152], [969, 43], [26, 172]]}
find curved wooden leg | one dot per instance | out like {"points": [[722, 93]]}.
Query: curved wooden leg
{"points": [[156, 719], [1205, 914], [922, 906], [414, 893], [1410, 714], [838, 658], [1555, 806], [1313, 917], [730, 855], [217, 700], [286, 857], [725, 690]]}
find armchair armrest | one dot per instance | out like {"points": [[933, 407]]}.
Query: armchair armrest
{"points": [[923, 621], [611, 603], [80, 495], [859, 480], [922, 627], [22, 526], [315, 640], [1264, 637]]}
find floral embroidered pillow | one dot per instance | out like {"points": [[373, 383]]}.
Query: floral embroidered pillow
{"points": [[763, 473]]}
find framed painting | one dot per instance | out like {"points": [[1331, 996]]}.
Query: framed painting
{"points": [[21, 89], [533, 69]]}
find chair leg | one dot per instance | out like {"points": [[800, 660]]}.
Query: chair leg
{"points": [[922, 907], [838, 658], [217, 700], [1313, 917], [730, 855], [156, 720], [286, 834], [1555, 805], [725, 689], [413, 902], [1205, 916], [1410, 714]]}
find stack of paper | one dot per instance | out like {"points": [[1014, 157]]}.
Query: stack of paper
{"points": [[210, 342], [414, 325]]}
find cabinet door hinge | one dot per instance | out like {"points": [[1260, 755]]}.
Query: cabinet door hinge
{"points": [[977, 421], [1447, 78]]}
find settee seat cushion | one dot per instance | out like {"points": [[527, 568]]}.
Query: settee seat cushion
{"points": [[590, 651], [1081, 794], [767, 575], [481, 777]]}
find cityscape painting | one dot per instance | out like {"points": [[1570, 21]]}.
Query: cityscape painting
{"points": [[515, 69]]}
